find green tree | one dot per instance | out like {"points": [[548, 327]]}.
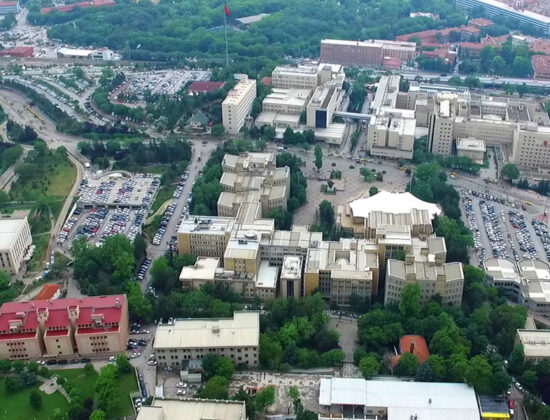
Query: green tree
{"points": [[123, 363], [139, 306], [407, 365], [265, 398], [516, 360], [35, 399], [369, 365], [326, 213], [163, 275], [529, 380], [318, 157], [373, 191], [438, 366], [57, 414], [98, 415], [409, 303], [11, 384], [424, 373], [224, 367], [218, 130], [18, 366], [271, 352], [510, 171], [478, 374], [215, 388], [5, 365]]}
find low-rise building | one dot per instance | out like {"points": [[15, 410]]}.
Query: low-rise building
{"points": [[472, 148], [15, 239], [354, 398], [194, 409], [535, 276], [18, 52], [7, 7], [286, 101], [413, 344], [504, 275], [493, 408], [63, 327], [236, 338], [48, 291]]}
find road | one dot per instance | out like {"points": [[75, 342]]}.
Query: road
{"points": [[200, 150]]}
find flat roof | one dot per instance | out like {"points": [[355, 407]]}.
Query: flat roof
{"points": [[501, 269], [523, 12], [536, 343], [243, 330], [427, 400], [267, 276], [390, 202], [203, 269], [534, 269], [471, 144], [194, 409], [292, 267], [9, 229]]}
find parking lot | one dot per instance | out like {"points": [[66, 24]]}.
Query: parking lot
{"points": [[163, 82], [503, 229]]}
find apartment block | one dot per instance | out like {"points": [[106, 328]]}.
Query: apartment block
{"points": [[441, 129], [236, 338], [365, 53], [237, 105], [64, 327], [531, 147], [15, 240]]}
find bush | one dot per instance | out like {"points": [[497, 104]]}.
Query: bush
{"points": [[35, 399]]}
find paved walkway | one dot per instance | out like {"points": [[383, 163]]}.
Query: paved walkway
{"points": [[50, 386]]}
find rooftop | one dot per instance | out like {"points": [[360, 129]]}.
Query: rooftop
{"points": [[267, 276], [240, 90], [203, 86], [541, 64], [427, 400], [292, 267], [9, 229], [243, 330], [203, 269], [415, 344], [471, 144], [394, 203], [48, 291], [501, 269], [247, 20], [194, 409], [534, 270], [536, 343]]}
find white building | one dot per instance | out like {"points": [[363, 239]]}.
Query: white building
{"points": [[236, 338], [291, 277], [286, 101], [15, 239], [536, 344], [238, 104], [391, 136], [194, 409], [472, 148], [352, 398]]}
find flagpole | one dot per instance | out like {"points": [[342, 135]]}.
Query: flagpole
{"points": [[225, 29]]}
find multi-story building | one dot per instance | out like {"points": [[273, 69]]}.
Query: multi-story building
{"points": [[493, 8], [441, 129], [63, 327], [541, 67], [472, 148], [531, 148], [237, 104], [536, 344], [390, 135], [286, 101], [503, 275], [340, 270], [291, 277], [236, 338], [426, 267], [15, 239], [7, 7], [368, 53]]}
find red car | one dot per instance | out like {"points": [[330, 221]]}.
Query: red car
{"points": [[511, 404]]}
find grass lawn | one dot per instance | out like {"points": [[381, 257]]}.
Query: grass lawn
{"points": [[165, 193], [61, 180], [37, 261], [86, 384], [126, 385], [16, 406]]}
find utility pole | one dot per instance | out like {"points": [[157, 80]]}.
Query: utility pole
{"points": [[225, 30]]}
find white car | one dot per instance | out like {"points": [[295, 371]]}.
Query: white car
{"points": [[135, 354], [152, 362], [180, 384], [181, 392]]}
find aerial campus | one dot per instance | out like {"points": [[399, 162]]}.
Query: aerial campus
{"points": [[240, 210]]}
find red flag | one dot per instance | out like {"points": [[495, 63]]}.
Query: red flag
{"points": [[227, 12]]}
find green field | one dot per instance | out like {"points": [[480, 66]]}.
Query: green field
{"points": [[165, 193], [86, 384], [16, 406], [126, 385], [62, 180]]}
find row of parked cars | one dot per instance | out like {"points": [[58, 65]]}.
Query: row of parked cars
{"points": [[541, 230], [164, 223], [493, 229], [473, 226], [142, 270], [69, 224], [523, 237], [51, 362]]}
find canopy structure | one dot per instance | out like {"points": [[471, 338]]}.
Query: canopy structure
{"points": [[388, 202]]}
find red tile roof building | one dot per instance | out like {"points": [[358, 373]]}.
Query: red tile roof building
{"points": [[473, 49], [391, 63], [83, 4], [19, 52], [444, 52], [7, 7], [266, 81], [540, 46], [63, 327], [481, 22], [197, 87], [49, 291], [415, 344], [433, 36], [541, 67]]}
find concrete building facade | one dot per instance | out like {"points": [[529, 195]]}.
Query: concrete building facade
{"points": [[365, 53], [15, 239], [238, 104], [236, 338]]}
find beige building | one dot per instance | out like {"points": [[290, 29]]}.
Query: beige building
{"points": [[365, 53], [307, 76], [472, 148], [236, 338], [291, 277], [536, 344], [286, 101], [531, 149], [425, 265], [194, 409], [64, 327], [237, 105], [441, 129], [391, 136], [342, 269], [15, 239], [535, 278]]}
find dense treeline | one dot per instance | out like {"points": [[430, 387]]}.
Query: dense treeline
{"points": [[175, 30], [460, 163], [466, 344], [506, 60], [63, 122], [296, 333]]}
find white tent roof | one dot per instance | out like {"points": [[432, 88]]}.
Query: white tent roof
{"points": [[389, 202]]}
